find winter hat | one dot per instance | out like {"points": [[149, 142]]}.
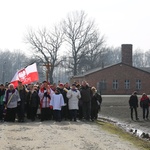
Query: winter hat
{"points": [[61, 84]]}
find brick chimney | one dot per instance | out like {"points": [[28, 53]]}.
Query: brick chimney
{"points": [[126, 52]]}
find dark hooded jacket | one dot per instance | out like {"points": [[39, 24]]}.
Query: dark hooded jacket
{"points": [[86, 94], [133, 101], [34, 99]]}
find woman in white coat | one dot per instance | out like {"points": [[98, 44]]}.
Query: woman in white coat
{"points": [[73, 95]]}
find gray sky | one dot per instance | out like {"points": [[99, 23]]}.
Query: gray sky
{"points": [[121, 21]]}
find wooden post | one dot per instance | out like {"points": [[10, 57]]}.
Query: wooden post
{"points": [[47, 65]]}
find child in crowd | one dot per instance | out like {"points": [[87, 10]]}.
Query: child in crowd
{"points": [[57, 101]]}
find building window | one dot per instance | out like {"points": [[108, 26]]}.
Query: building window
{"points": [[115, 84], [127, 84], [138, 84], [101, 85]]}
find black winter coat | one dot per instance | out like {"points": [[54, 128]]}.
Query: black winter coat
{"points": [[34, 99], [86, 94], [133, 101], [96, 98], [64, 93], [23, 95]]}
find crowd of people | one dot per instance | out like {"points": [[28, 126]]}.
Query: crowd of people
{"points": [[49, 102], [144, 104], [58, 102]]}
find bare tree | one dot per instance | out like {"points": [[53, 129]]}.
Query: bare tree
{"points": [[93, 58], [79, 33], [112, 56], [104, 56], [138, 58], [46, 45], [147, 58], [10, 63]]}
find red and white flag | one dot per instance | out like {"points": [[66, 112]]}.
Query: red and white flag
{"points": [[26, 75]]}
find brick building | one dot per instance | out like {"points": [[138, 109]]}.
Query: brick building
{"points": [[121, 78]]}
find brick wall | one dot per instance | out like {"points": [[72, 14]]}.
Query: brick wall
{"points": [[119, 72]]}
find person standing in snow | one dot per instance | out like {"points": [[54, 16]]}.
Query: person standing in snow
{"points": [[56, 103], [11, 101], [45, 94], [73, 95], [133, 103]]}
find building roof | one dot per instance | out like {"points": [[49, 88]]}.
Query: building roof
{"points": [[147, 69], [144, 69]]}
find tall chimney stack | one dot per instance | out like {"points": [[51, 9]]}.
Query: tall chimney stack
{"points": [[126, 50]]}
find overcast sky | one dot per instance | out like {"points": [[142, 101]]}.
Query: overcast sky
{"points": [[121, 21]]}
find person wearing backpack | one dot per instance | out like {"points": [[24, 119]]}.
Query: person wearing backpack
{"points": [[144, 104]]}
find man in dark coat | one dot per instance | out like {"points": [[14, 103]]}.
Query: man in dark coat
{"points": [[133, 102], [34, 102], [86, 95]]}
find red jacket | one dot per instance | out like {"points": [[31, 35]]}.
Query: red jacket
{"points": [[145, 101]]}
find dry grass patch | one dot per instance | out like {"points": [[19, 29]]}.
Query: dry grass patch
{"points": [[112, 128]]}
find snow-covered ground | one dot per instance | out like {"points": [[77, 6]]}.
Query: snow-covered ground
{"points": [[116, 108], [63, 135]]}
